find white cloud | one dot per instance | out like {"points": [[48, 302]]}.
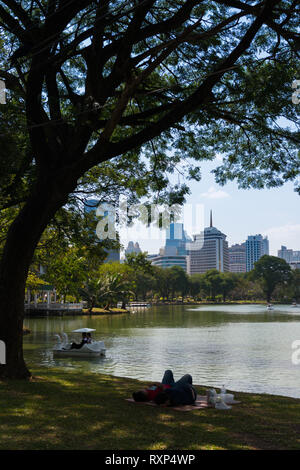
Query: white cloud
{"points": [[214, 193], [287, 235]]}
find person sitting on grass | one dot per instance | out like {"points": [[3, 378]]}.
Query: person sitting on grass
{"points": [[169, 392]]}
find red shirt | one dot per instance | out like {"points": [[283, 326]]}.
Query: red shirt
{"points": [[155, 390]]}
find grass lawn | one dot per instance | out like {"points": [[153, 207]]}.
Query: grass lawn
{"points": [[71, 410]]}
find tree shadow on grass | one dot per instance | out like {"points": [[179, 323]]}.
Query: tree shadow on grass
{"points": [[71, 410]]}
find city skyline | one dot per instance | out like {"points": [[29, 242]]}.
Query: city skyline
{"points": [[237, 212], [159, 241]]}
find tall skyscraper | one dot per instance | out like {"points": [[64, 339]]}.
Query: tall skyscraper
{"points": [[91, 205], [174, 252], [176, 240], [208, 250], [237, 258], [256, 247]]}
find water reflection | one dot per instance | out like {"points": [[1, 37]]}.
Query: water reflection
{"points": [[245, 347]]}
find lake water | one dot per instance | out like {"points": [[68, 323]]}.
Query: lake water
{"points": [[247, 348]]}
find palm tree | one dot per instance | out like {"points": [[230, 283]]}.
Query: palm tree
{"points": [[89, 294], [111, 287], [107, 290]]}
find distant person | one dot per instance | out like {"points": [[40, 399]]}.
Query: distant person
{"points": [[169, 392], [89, 338], [83, 341]]}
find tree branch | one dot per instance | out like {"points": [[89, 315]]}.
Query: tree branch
{"points": [[19, 12], [200, 96], [12, 82], [11, 24]]}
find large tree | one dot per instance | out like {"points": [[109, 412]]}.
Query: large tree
{"points": [[271, 271], [213, 283], [142, 274], [107, 79], [179, 281], [296, 284], [228, 283]]}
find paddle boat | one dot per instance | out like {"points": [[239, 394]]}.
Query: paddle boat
{"points": [[64, 348], [270, 307]]}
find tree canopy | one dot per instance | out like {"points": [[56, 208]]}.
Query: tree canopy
{"points": [[271, 271], [89, 81]]}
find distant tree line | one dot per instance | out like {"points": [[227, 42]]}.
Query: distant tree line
{"points": [[82, 275]]}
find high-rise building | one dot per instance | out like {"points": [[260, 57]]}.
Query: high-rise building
{"points": [[237, 258], [290, 256], [174, 251], [165, 261], [176, 239], [133, 248], [208, 250], [256, 247], [91, 205]]}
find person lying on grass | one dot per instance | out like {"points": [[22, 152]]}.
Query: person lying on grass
{"points": [[169, 392]]}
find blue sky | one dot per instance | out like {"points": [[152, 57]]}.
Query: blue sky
{"points": [[237, 213]]}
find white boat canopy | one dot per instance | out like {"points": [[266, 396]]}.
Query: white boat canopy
{"points": [[83, 330]]}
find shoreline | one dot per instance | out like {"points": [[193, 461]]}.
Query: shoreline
{"points": [[217, 388], [144, 382], [84, 312], [236, 302], [114, 310]]}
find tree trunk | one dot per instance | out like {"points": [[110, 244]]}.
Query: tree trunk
{"points": [[22, 239]]}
